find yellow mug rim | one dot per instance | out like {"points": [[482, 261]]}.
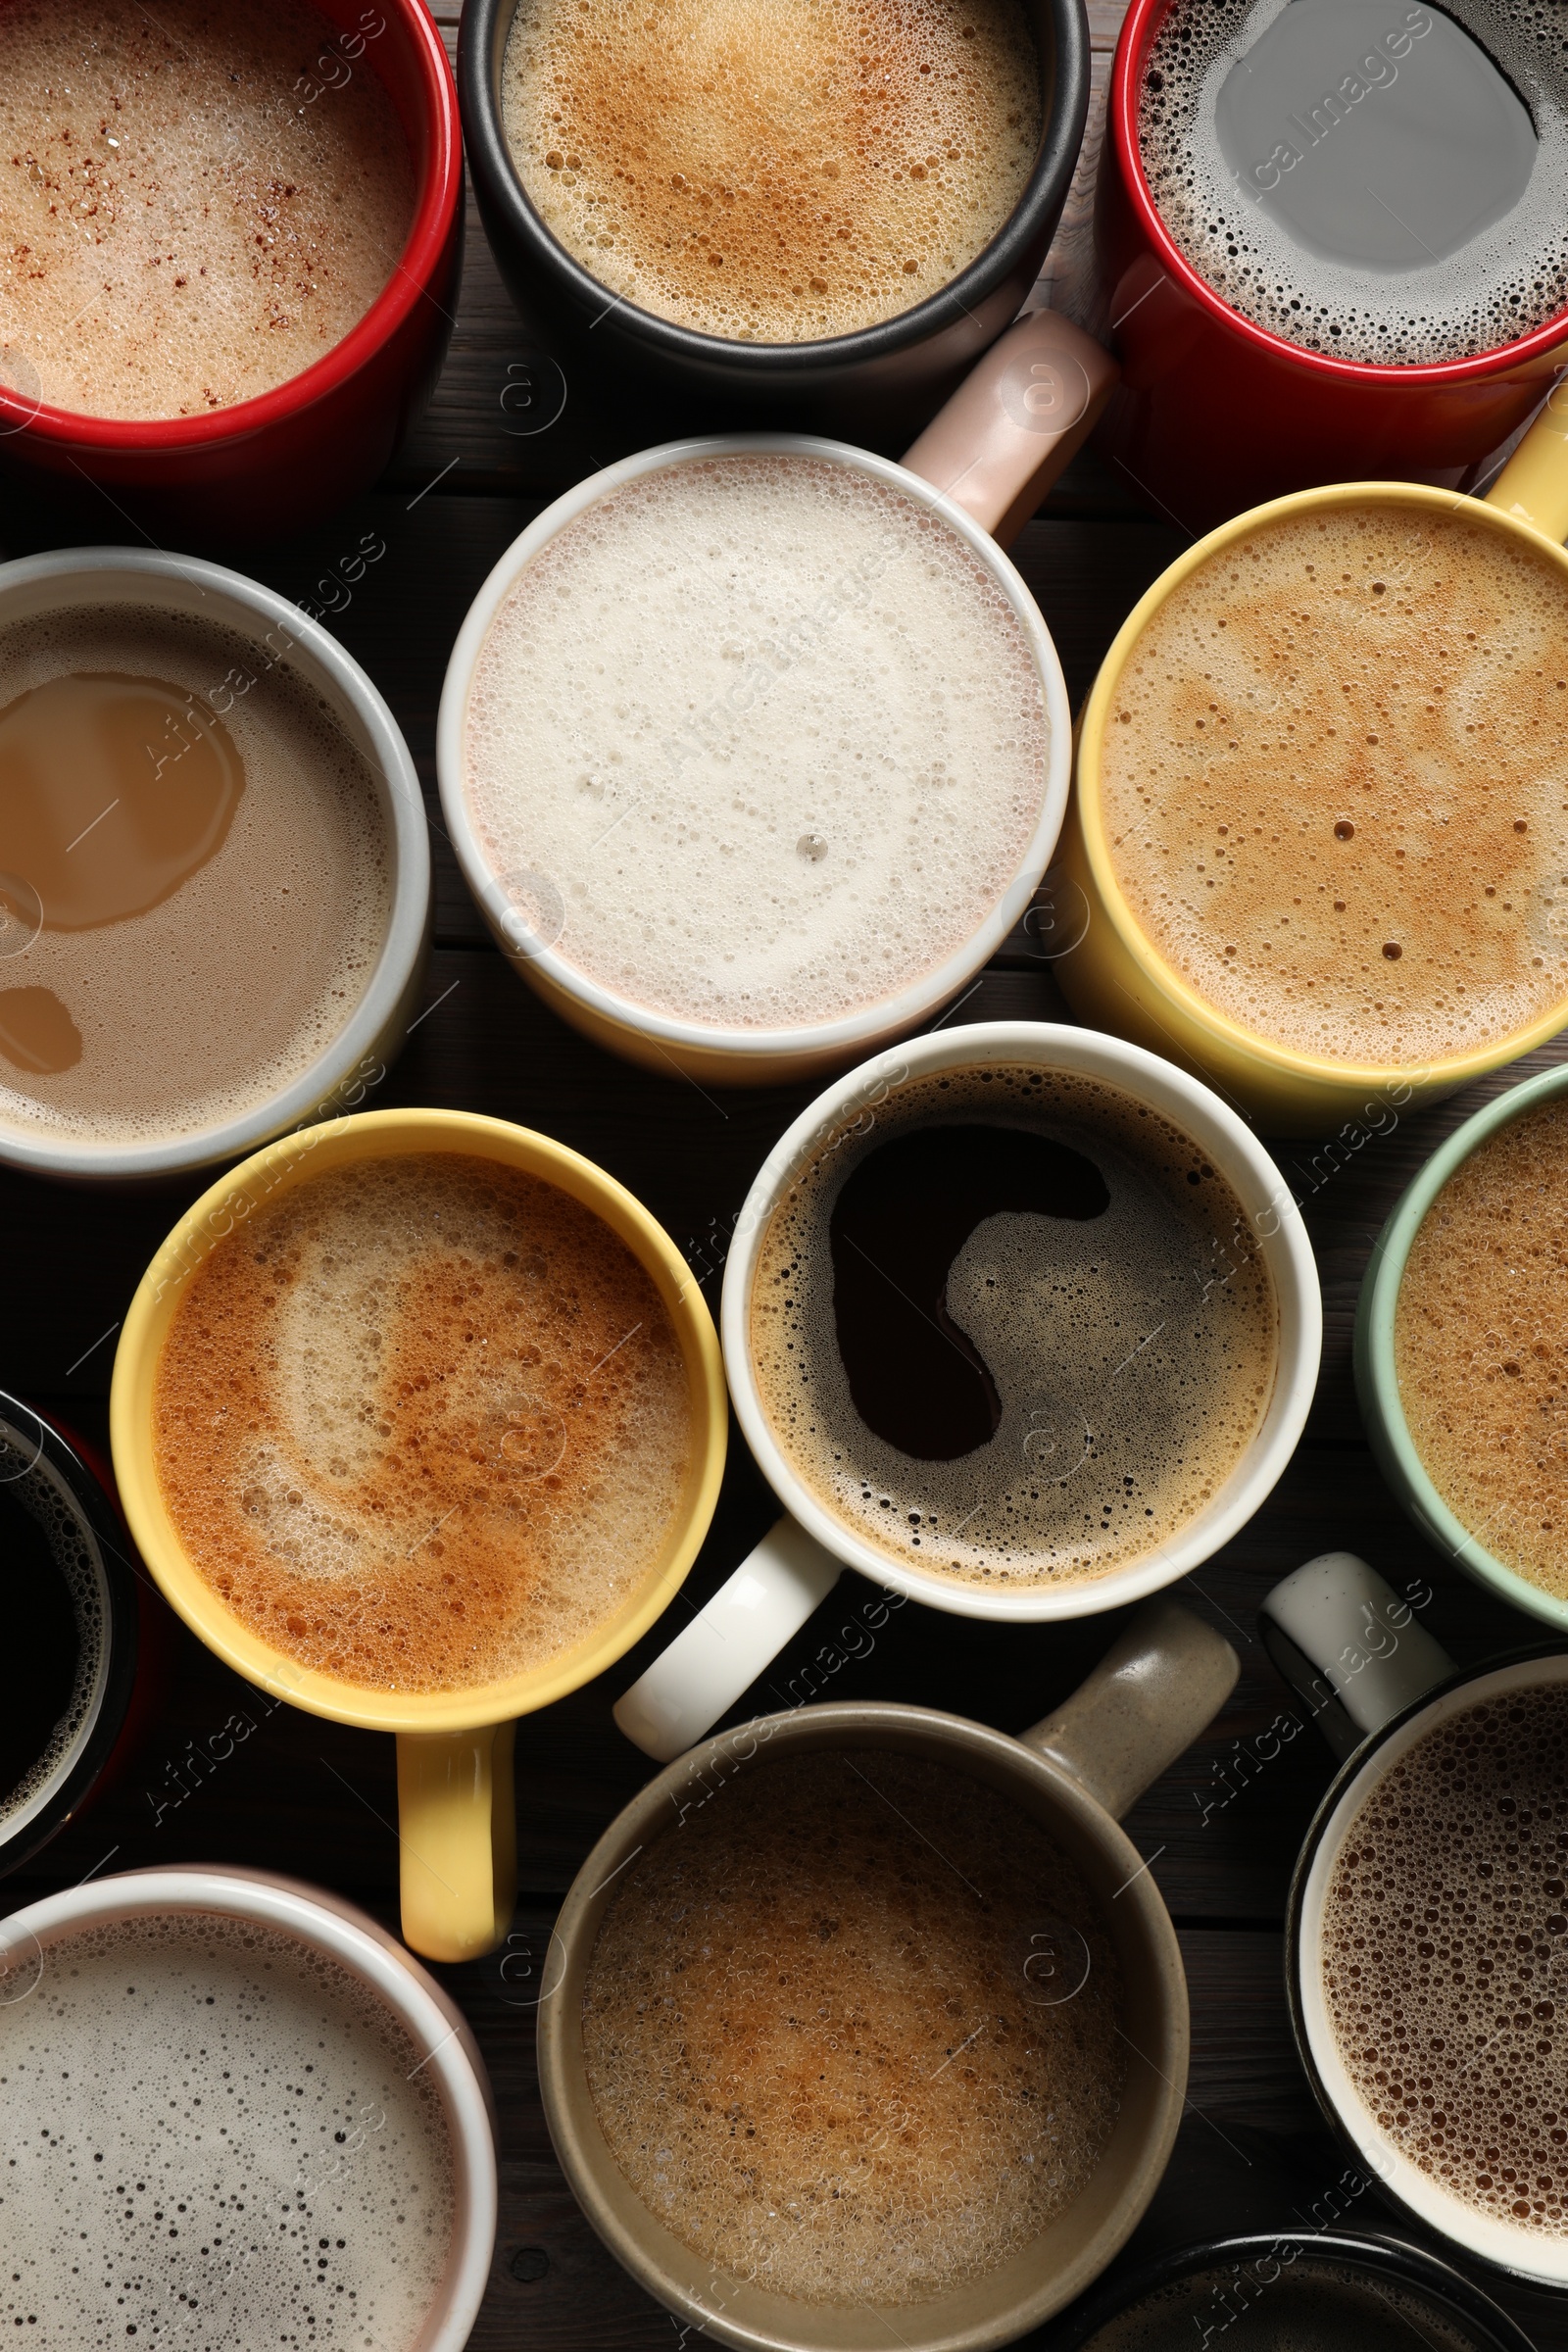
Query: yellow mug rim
{"points": [[1453, 1071], [280, 1165]]}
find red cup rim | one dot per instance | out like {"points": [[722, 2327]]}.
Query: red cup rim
{"points": [[435, 206], [1138, 31]]}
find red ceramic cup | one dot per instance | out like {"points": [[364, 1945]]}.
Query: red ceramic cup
{"points": [[1216, 414], [265, 467]]}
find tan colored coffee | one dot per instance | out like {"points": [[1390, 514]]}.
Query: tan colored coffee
{"points": [[852, 2030], [422, 1422], [197, 201], [773, 171], [1334, 783], [1444, 1931], [196, 874], [1481, 1345]]}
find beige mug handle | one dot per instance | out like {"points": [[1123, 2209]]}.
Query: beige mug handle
{"points": [[1532, 487], [456, 1839], [1157, 1687], [1014, 421]]}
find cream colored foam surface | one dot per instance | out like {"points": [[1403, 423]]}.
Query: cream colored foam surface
{"points": [[215, 999], [1134, 1353], [770, 730], [217, 2141], [1334, 783], [773, 171], [183, 224], [1500, 285], [852, 2030], [422, 1423]]}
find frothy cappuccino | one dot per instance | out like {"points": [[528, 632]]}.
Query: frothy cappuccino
{"points": [[763, 734], [422, 1422], [1334, 785], [773, 171]]}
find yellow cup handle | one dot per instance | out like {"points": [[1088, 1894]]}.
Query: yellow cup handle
{"points": [[458, 1832], [1533, 486]]}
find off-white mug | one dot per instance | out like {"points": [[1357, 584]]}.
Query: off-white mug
{"points": [[774, 1591]]}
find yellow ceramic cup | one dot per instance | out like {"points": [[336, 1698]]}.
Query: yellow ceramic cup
{"points": [[457, 1832], [1115, 978]]}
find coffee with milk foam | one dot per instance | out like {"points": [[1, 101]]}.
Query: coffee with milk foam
{"points": [[764, 736], [219, 2138], [1373, 179]]}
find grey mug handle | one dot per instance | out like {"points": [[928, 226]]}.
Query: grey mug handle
{"points": [[1350, 1647], [1160, 1685]]}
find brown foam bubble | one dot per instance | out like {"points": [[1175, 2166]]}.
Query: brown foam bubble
{"points": [[196, 202], [1481, 1345], [1335, 788], [1444, 1937], [423, 1422], [773, 171], [815, 2033], [202, 957], [217, 2136], [1134, 1353]]}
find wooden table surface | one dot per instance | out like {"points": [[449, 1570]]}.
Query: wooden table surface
{"points": [[305, 1796]]}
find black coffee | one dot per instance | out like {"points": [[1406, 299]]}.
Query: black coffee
{"points": [[1382, 180], [1284, 2300], [1015, 1330], [51, 1605]]}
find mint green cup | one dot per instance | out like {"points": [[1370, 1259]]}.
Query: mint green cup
{"points": [[1377, 1385]]}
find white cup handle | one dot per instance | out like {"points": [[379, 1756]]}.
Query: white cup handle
{"points": [[723, 1651], [1350, 1646]]}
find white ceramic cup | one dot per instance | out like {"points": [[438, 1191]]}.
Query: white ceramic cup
{"points": [[325, 1923], [1377, 1682], [526, 917], [770, 1596], [337, 1080]]}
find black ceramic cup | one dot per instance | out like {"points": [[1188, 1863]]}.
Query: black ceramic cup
{"points": [[71, 1614], [1313, 2291], [889, 376]]}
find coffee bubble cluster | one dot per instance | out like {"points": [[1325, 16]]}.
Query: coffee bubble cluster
{"points": [[1446, 1956], [813, 2042], [1500, 285], [773, 171], [181, 226], [774, 734], [217, 2137]]}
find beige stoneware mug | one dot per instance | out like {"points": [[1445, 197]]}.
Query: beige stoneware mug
{"points": [[1076, 1773]]}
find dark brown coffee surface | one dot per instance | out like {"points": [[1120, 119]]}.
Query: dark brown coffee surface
{"points": [[1446, 1956], [422, 1423], [852, 2029], [1481, 1345], [1066, 1274]]}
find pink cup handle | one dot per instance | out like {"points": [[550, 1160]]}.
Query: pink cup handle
{"points": [[1013, 424]]}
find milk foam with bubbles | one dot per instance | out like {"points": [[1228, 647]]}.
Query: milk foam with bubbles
{"points": [[216, 2140], [766, 732], [1498, 285]]}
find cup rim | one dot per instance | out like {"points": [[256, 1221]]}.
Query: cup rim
{"points": [[387, 1134], [868, 1023], [1408, 2265], [438, 197], [1411, 2191], [1378, 1373], [1065, 105], [51, 1804], [881, 1724], [1142, 24], [403, 944], [1282, 1062], [359, 1947], [1247, 1166]]}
